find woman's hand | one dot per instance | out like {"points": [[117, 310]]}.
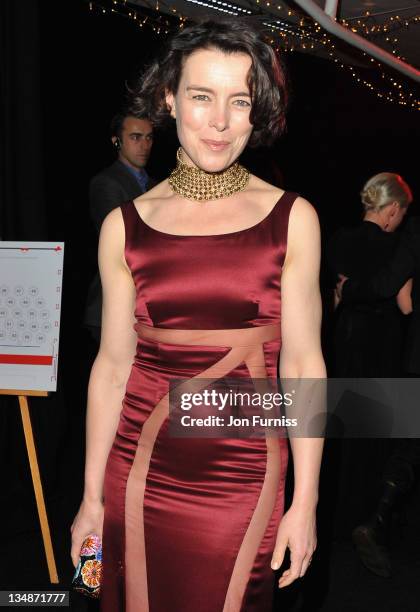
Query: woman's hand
{"points": [[297, 531], [339, 288], [89, 520]]}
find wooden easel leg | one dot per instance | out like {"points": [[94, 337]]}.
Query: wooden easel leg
{"points": [[39, 495]]}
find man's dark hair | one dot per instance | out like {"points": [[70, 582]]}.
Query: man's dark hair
{"points": [[266, 78], [117, 121]]}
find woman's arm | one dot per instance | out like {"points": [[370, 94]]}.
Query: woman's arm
{"points": [[404, 297], [301, 355], [301, 358], [109, 373], [338, 290], [116, 353]]}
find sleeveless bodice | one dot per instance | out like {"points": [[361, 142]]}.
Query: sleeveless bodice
{"points": [[220, 281]]}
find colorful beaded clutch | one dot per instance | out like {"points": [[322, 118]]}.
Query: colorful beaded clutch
{"points": [[87, 577]]}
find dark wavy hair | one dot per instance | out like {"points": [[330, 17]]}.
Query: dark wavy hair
{"points": [[266, 78]]}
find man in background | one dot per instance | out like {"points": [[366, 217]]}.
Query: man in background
{"points": [[123, 180]]}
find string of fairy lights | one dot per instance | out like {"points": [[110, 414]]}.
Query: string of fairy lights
{"points": [[287, 31], [370, 28]]}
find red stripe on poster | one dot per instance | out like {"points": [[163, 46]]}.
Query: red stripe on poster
{"points": [[26, 359]]}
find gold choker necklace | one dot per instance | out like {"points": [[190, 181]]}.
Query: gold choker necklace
{"points": [[196, 184]]}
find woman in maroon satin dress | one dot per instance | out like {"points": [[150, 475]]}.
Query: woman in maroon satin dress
{"points": [[208, 275]]}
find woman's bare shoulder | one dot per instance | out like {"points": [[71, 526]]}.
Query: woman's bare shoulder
{"points": [[160, 191], [111, 240], [264, 192], [259, 185], [304, 229], [113, 220], [303, 212], [303, 216], [301, 206]]}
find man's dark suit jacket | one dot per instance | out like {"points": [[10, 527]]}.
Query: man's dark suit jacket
{"points": [[107, 190], [386, 283]]}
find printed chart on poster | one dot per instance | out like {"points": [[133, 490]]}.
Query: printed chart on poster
{"points": [[31, 276]]}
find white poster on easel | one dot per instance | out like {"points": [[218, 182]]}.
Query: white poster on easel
{"points": [[31, 276]]}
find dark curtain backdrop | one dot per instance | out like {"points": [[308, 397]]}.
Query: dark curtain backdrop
{"points": [[23, 207]]}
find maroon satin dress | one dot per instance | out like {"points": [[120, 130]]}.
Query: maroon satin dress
{"points": [[191, 523]]}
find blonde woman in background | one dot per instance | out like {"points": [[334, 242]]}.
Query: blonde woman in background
{"points": [[361, 346], [368, 343], [400, 278], [385, 198]]}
